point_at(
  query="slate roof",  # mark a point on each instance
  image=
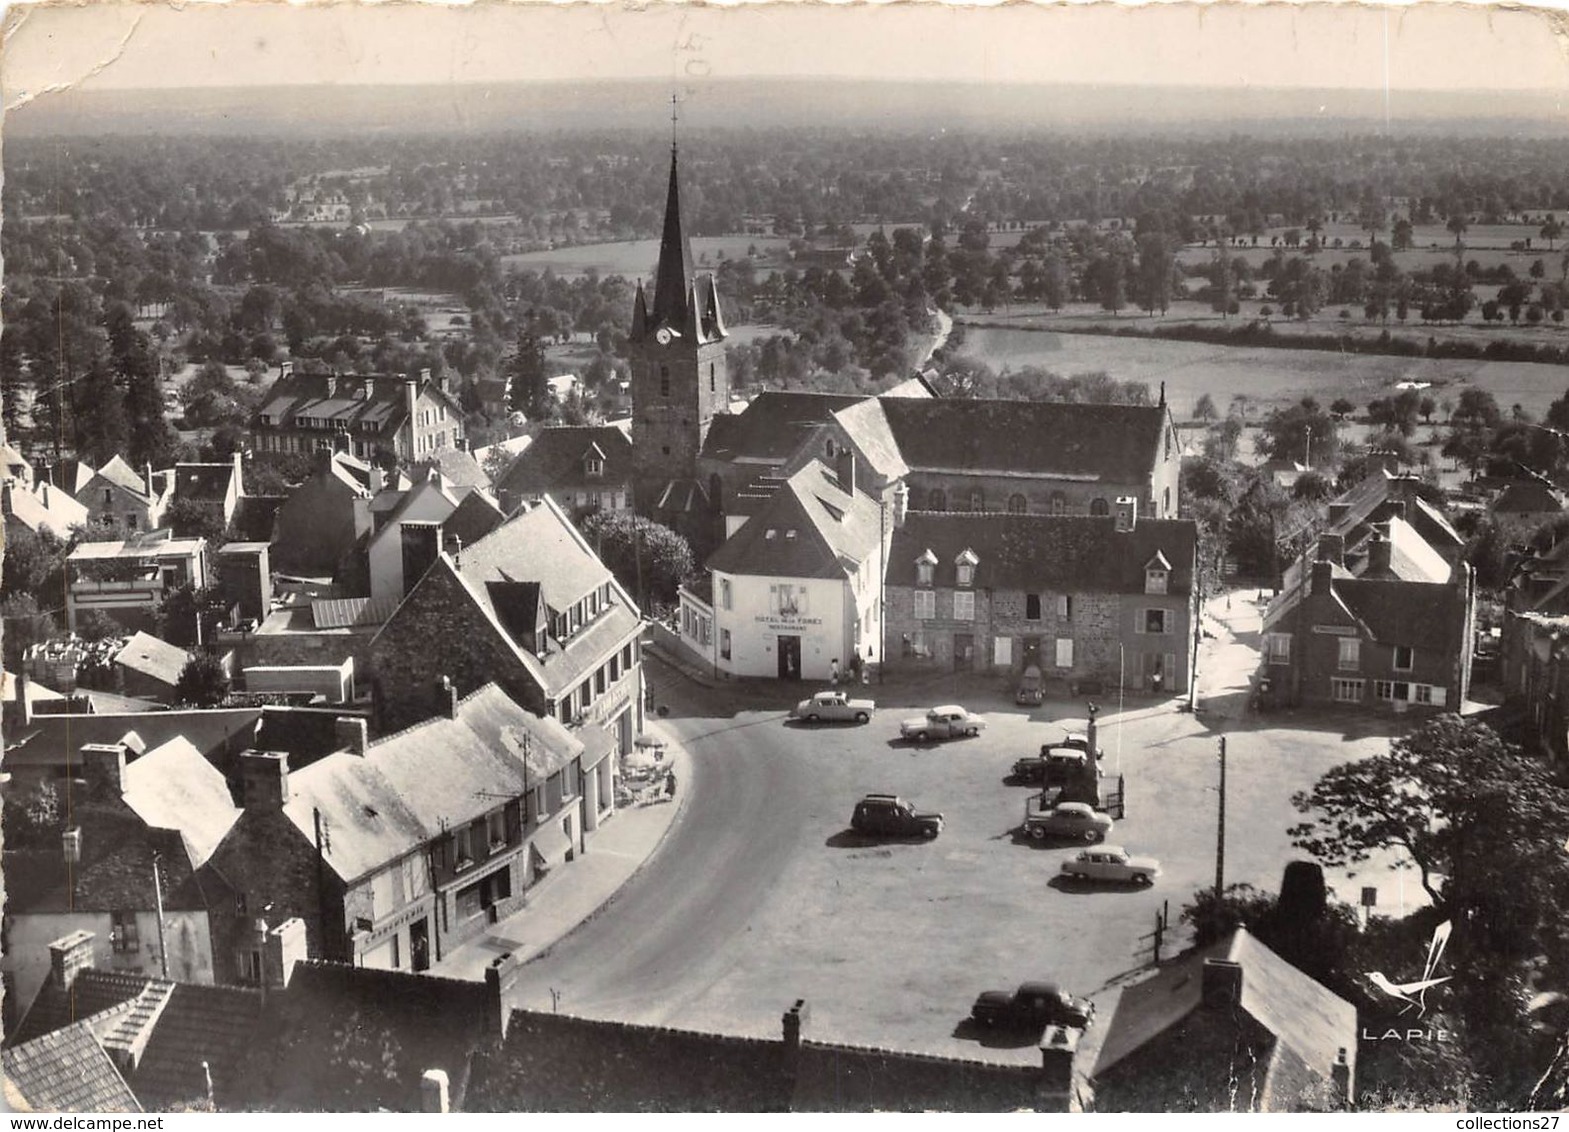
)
(174, 787)
(1058, 553)
(10, 459)
(65, 1071)
(205, 483)
(28, 508)
(555, 460)
(421, 489)
(1427, 617)
(809, 528)
(1303, 1016)
(92, 992)
(1524, 497)
(118, 472)
(772, 425)
(1110, 443)
(153, 657)
(216, 1025)
(55, 740)
(477, 515)
(1412, 561)
(867, 426)
(365, 822)
(116, 871)
(457, 466)
(322, 395)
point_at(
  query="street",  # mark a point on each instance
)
(760, 894)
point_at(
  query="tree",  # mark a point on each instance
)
(191, 518)
(34, 564)
(1400, 235)
(1204, 410)
(650, 560)
(203, 682)
(529, 391)
(1303, 432)
(25, 624)
(1427, 407)
(1314, 487)
(1341, 408)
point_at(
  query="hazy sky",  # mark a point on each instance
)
(107, 46)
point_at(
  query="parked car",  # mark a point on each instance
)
(946, 721)
(833, 707)
(891, 816)
(1112, 863)
(1053, 766)
(1031, 690)
(1033, 1005)
(1073, 820)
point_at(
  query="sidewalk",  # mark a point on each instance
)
(580, 888)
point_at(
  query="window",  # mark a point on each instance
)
(711, 378)
(977, 499)
(925, 605)
(1392, 690)
(1059, 503)
(1017, 504)
(1404, 658)
(1099, 506)
(964, 605)
(724, 643)
(1155, 581)
(664, 381)
(1032, 607)
(925, 567)
(415, 878)
(1347, 691)
(123, 933)
(1350, 654)
(1065, 606)
(939, 499)
(724, 593)
(599, 681)
(496, 828)
(462, 849)
(1064, 652)
(1156, 621)
(1424, 693)
(594, 466)
(108, 497)
(1277, 648)
(966, 569)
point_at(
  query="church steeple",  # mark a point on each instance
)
(673, 281)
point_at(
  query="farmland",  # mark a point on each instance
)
(636, 258)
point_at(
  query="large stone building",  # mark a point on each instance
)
(366, 416)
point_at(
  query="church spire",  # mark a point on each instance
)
(673, 280)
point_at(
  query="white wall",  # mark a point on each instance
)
(386, 549)
(822, 625)
(186, 934)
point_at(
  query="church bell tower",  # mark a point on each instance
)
(678, 363)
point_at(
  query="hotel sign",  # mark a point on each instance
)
(785, 624)
(1336, 630)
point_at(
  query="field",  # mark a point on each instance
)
(1269, 377)
(636, 259)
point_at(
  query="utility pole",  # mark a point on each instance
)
(1220, 832)
(163, 946)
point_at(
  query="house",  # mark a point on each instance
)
(149, 668)
(1534, 648)
(458, 466)
(1228, 1028)
(320, 631)
(15, 467)
(1530, 502)
(120, 497)
(326, 515)
(403, 546)
(530, 607)
(40, 508)
(494, 393)
(215, 488)
(128, 579)
(126, 850)
(427, 836)
(585, 469)
(564, 386)
(794, 593)
(1392, 624)
(1111, 600)
(173, 1045)
(364, 415)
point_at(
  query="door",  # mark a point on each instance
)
(419, 944)
(963, 652)
(789, 657)
(1032, 652)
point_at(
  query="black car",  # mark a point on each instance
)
(1032, 1005)
(891, 816)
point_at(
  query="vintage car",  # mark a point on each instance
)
(1073, 821)
(891, 816)
(1031, 687)
(833, 706)
(946, 721)
(1033, 1005)
(1112, 863)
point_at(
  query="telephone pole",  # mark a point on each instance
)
(1220, 832)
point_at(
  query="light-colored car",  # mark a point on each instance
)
(1072, 820)
(833, 707)
(1112, 863)
(946, 721)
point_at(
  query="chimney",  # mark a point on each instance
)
(1378, 549)
(454, 548)
(239, 472)
(1332, 548)
(421, 540)
(69, 956)
(150, 493)
(43, 493)
(1396, 509)
(795, 1020)
(285, 369)
(1222, 983)
(351, 733)
(1322, 577)
(1127, 512)
(901, 504)
(24, 706)
(433, 1091)
(1338, 512)
(1059, 1046)
(446, 698)
(332, 384)
(283, 947)
(103, 766)
(500, 977)
(845, 470)
(377, 479)
(264, 780)
(71, 845)
(1340, 1076)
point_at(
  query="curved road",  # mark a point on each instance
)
(666, 937)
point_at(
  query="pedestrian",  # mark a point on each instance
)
(833, 672)
(670, 785)
(1155, 682)
(855, 667)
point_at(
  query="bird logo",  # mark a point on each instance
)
(1414, 994)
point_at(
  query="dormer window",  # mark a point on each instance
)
(1157, 575)
(966, 564)
(594, 466)
(925, 568)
